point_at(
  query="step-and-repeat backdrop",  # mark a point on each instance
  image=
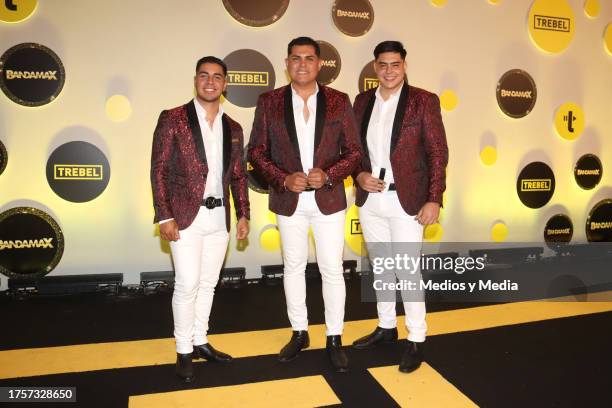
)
(524, 87)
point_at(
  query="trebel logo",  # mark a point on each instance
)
(30, 243)
(247, 78)
(369, 83)
(353, 17)
(368, 78)
(551, 23)
(249, 75)
(516, 93)
(78, 171)
(535, 185)
(31, 74)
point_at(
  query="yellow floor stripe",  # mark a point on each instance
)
(101, 356)
(295, 392)
(424, 387)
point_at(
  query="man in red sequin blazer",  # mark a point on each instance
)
(400, 182)
(304, 142)
(197, 156)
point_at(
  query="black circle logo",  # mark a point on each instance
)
(249, 75)
(256, 13)
(367, 78)
(31, 243)
(78, 171)
(516, 93)
(331, 63)
(558, 231)
(588, 171)
(3, 157)
(31, 74)
(535, 185)
(256, 181)
(599, 222)
(353, 17)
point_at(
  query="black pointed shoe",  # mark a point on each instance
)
(299, 340)
(412, 357)
(184, 367)
(209, 353)
(337, 356)
(378, 336)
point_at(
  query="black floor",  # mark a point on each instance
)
(556, 363)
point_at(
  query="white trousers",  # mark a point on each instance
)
(384, 220)
(198, 256)
(328, 233)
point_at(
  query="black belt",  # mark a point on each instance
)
(212, 202)
(392, 187)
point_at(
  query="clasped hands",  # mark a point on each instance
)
(299, 181)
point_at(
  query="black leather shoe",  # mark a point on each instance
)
(184, 367)
(412, 357)
(299, 340)
(337, 356)
(208, 352)
(378, 336)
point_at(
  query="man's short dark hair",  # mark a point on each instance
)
(304, 41)
(390, 46)
(212, 60)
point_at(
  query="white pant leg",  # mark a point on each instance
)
(373, 216)
(294, 245)
(201, 248)
(328, 233)
(214, 249)
(405, 229)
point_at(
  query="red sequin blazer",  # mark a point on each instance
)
(274, 150)
(419, 153)
(179, 167)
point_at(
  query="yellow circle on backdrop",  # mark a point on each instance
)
(439, 3)
(569, 121)
(495, 1)
(433, 232)
(608, 39)
(449, 100)
(15, 11)
(488, 155)
(551, 25)
(592, 8)
(352, 231)
(118, 108)
(269, 239)
(499, 232)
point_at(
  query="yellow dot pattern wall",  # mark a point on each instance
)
(123, 62)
